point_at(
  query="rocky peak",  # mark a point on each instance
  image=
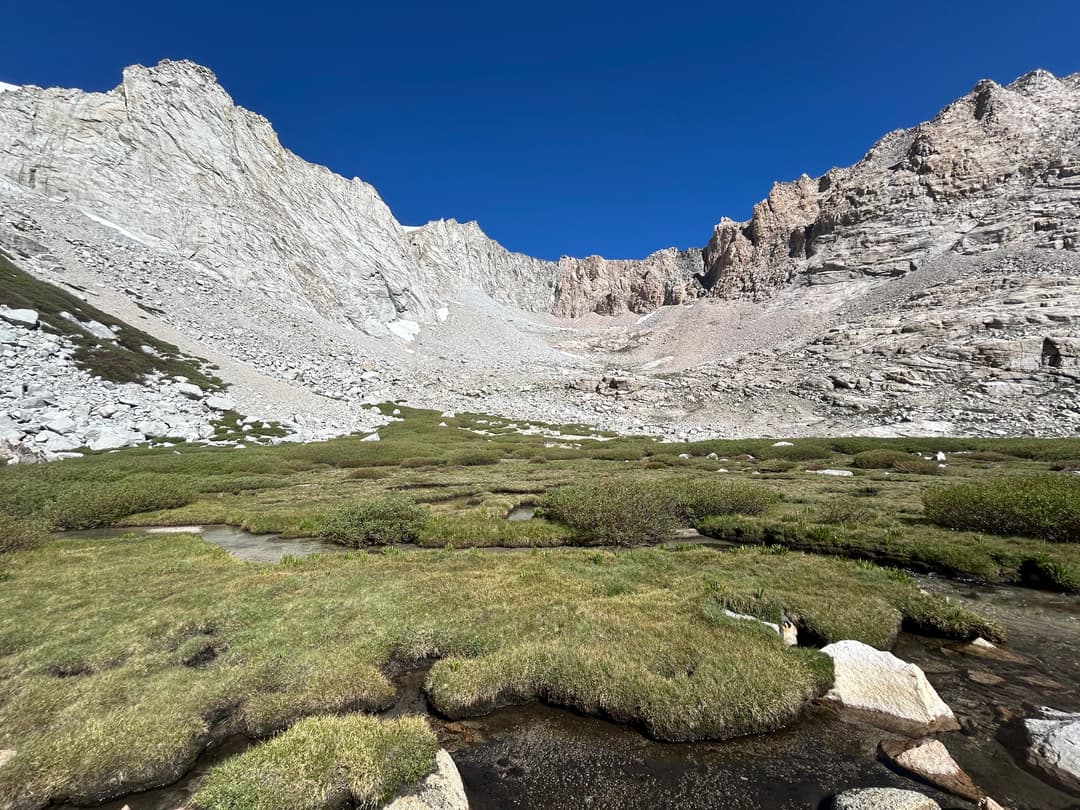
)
(993, 168)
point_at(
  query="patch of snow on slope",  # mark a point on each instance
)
(404, 329)
(108, 224)
(4, 87)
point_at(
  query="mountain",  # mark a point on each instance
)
(931, 286)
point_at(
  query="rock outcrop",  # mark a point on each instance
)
(1000, 166)
(876, 687)
(613, 287)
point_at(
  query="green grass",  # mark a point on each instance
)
(1045, 506)
(123, 360)
(324, 762)
(115, 681)
(120, 659)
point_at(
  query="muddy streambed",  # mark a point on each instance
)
(536, 756)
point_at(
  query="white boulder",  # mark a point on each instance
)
(110, 438)
(220, 404)
(883, 799)
(878, 688)
(190, 390)
(837, 473)
(1054, 745)
(5, 756)
(20, 317)
(442, 790)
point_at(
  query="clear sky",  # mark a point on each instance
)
(564, 127)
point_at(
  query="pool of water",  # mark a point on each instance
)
(242, 544)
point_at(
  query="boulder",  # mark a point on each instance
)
(878, 688)
(5, 756)
(190, 390)
(20, 317)
(110, 438)
(1054, 745)
(883, 799)
(930, 761)
(442, 790)
(61, 424)
(220, 404)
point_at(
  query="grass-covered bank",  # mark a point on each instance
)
(121, 658)
(352, 761)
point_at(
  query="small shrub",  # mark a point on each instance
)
(241, 483)
(776, 465)
(918, 466)
(700, 497)
(895, 460)
(843, 511)
(475, 458)
(19, 533)
(389, 519)
(879, 459)
(614, 512)
(366, 474)
(799, 451)
(422, 461)
(92, 506)
(1043, 506)
(538, 460)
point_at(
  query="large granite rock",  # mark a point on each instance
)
(883, 799)
(878, 688)
(442, 790)
(1054, 745)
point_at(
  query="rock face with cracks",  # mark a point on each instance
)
(877, 688)
(1054, 745)
(932, 288)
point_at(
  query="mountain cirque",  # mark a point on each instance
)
(933, 287)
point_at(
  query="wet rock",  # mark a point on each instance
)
(984, 649)
(1054, 745)
(883, 799)
(981, 676)
(878, 688)
(931, 762)
(442, 790)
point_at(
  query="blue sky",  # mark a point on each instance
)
(564, 127)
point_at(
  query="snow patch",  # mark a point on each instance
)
(443, 313)
(5, 87)
(404, 329)
(120, 229)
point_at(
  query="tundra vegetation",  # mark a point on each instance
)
(123, 657)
